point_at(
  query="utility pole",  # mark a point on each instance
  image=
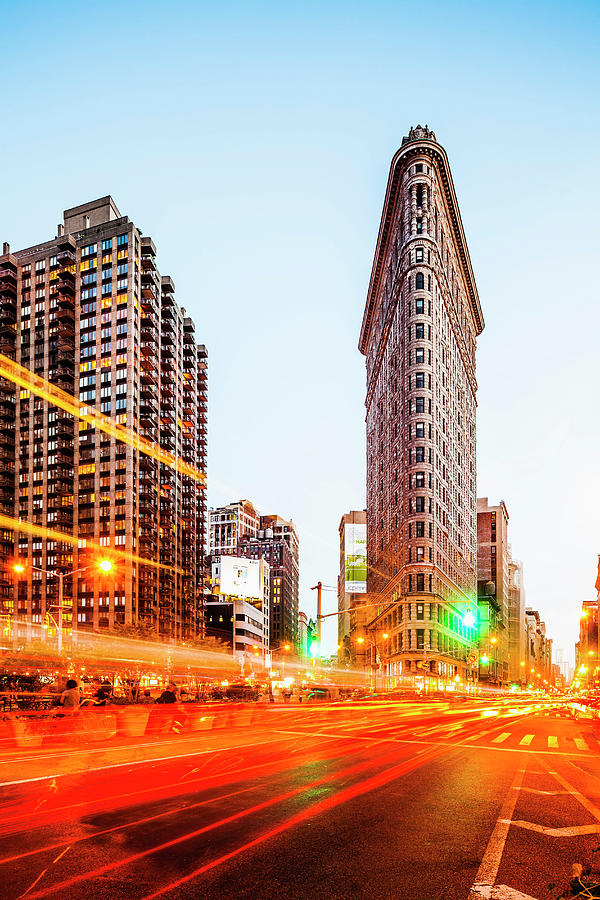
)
(60, 611)
(318, 588)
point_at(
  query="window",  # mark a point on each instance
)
(419, 307)
(420, 609)
(419, 226)
(122, 240)
(420, 332)
(420, 454)
(419, 281)
(420, 504)
(420, 529)
(420, 380)
(420, 430)
(419, 168)
(107, 245)
(89, 250)
(420, 405)
(420, 355)
(420, 479)
(420, 582)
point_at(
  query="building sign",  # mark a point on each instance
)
(355, 559)
(241, 577)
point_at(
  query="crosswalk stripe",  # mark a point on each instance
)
(527, 739)
(552, 741)
(501, 737)
(581, 744)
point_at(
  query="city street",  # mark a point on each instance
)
(365, 799)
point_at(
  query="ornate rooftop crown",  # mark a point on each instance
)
(419, 134)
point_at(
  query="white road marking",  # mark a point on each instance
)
(587, 804)
(552, 741)
(499, 892)
(567, 831)
(488, 868)
(527, 739)
(501, 737)
(543, 793)
(581, 744)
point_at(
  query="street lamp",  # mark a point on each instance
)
(373, 643)
(105, 566)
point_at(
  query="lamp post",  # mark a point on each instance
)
(373, 643)
(105, 566)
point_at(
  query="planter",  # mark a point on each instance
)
(28, 733)
(101, 726)
(200, 720)
(132, 721)
(7, 735)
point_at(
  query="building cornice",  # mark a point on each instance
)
(438, 156)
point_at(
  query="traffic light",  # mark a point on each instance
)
(469, 620)
(314, 648)
(484, 660)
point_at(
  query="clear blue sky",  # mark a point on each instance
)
(253, 141)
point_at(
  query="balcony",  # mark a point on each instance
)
(66, 286)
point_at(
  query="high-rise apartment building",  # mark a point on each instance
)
(89, 312)
(420, 325)
(493, 556)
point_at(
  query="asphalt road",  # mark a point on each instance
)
(421, 801)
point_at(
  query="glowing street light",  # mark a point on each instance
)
(105, 566)
(469, 620)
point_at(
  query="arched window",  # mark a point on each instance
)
(419, 281)
(420, 195)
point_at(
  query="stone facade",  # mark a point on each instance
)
(420, 325)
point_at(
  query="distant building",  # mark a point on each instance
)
(352, 582)
(587, 650)
(276, 541)
(302, 634)
(243, 583)
(517, 635)
(240, 624)
(539, 650)
(493, 591)
(229, 524)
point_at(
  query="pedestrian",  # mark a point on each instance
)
(169, 695)
(70, 697)
(102, 695)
